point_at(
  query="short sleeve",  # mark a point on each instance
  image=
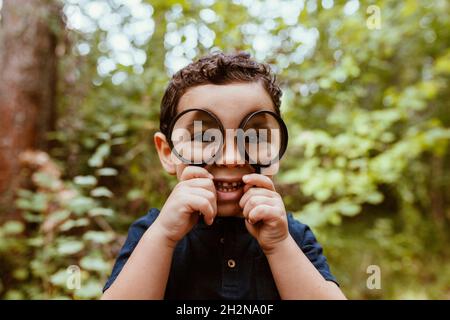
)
(135, 232)
(307, 242)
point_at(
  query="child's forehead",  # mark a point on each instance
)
(229, 102)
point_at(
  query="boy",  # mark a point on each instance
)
(244, 245)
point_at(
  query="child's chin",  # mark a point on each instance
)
(231, 209)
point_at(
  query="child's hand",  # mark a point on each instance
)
(264, 211)
(195, 194)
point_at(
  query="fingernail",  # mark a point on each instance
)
(244, 178)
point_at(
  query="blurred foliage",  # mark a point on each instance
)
(64, 224)
(368, 164)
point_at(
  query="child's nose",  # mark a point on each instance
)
(230, 153)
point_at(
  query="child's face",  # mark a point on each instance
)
(230, 103)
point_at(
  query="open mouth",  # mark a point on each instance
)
(223, 186)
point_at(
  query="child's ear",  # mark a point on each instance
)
(164, 153)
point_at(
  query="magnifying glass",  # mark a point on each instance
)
(262, 139)
(196, 137)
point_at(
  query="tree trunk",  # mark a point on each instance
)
(437, 194)
(28, 69)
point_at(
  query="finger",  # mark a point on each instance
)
(256, 201)
(205, 183)
(208, 195)
(258, 180)
(256, 192)
(205, 187)
(198, 203)
(191, 172)
(263, 212)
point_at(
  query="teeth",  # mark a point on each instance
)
(228, 186)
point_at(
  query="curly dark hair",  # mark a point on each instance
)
(217, 68)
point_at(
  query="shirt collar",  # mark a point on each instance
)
(236, 224)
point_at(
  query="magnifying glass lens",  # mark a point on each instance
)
(263, 139)
(196, 137)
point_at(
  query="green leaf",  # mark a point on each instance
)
(24, 193)
(101, 212)
(36, 241)
(99, 236)
(118, 129)
(14, 295)
(94, 264)
(442, 64)
(349, 209)
(374, 197)
(60, 215)
(99, 156)
(107, 172)
(70, 247)
(66, 226)
(45, 180)
(101, 192)
(134, 194)
(104, 136)
(37, 202)
(13, 227)
(117, 141)
(90, 290)
(85, 180)
(59, 278)
(24, 204)
(80, 205)
(20, 274)
(33, 217)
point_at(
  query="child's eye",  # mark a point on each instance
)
(262, 138)
(257, 138)
(201, 137)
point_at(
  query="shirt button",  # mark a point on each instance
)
(222, 240)
(231, 263)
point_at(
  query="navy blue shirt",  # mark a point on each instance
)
(221, 261)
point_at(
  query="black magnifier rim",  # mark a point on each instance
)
(284, 133)
(174, 121)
